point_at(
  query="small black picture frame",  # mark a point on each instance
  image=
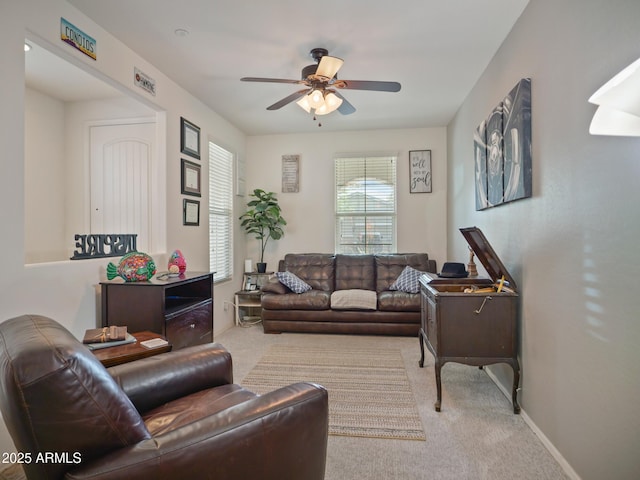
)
(190, 178)
(190, 212)
(189, 138)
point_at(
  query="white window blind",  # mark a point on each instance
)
(220, 212)
(365, 204)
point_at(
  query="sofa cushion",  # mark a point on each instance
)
(407, 281)
(294, 282)
(316, 269)
(353, 299)
(311, 300)
(397, 301)
(355, 272)
(389, 267)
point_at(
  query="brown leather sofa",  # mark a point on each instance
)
(396, 312)
(172, 416)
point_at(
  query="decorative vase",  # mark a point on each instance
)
(261, 266)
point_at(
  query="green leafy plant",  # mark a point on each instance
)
(263, 219)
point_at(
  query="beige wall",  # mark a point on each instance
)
(44, 162)
(56, 168)
(572, 247)
(67, 290)
(310, 213)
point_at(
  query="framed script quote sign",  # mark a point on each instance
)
(290, 173)
(420, 171)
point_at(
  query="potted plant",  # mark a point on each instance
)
(263, 219)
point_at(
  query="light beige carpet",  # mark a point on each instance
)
(369, 392)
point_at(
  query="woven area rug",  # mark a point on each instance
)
(369, 392)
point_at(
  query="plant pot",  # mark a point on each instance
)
(261, 266)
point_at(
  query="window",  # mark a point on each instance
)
(365, 204)
(220, 212)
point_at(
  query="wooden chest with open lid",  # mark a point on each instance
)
(471, 320)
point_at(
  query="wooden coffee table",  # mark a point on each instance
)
(111, 356)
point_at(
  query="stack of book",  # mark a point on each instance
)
(95, 338)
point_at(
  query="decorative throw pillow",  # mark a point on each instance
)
(294, 282)
(354, 300)
(407, 281)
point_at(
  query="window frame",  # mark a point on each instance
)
(375, 173)
(220, 210)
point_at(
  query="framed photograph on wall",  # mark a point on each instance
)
(190, 178)
(190, 212)
(420, 171)
(189, 138)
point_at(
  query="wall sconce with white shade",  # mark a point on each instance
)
(618, 103)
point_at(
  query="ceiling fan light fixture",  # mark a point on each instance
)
(304, 104)
(321, 81)
(331, 103)
(315, 98)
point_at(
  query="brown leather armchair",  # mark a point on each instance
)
(171, 416)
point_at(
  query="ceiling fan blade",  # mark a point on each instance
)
(367, 85)
(329, 66)
(345, 107)
(287, 100)
(270, 80)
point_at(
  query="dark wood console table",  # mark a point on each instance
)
(178, 308)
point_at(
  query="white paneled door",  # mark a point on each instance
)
(121, 171)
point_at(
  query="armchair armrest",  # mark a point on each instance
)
(152, 381)
(282, 434)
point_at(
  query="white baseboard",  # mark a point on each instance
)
(571, 473)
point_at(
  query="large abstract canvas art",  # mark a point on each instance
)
(502, 150)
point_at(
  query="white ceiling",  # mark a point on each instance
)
(436, 49)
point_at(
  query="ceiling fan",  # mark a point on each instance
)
(322, 84)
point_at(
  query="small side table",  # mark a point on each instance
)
(247, 306)
(111, 356)
(247, 301)
(254, 280)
